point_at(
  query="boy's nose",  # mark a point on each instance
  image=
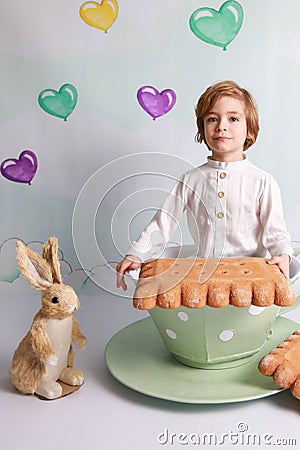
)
(221, 126)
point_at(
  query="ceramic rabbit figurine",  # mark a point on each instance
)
(45, 354)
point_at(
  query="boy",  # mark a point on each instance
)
(236, 206)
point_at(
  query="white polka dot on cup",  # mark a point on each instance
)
(183, 316)
(255, 310)
(226, 335)
(171, 334)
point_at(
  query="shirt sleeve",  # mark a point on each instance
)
(162, 226)
(275, 236)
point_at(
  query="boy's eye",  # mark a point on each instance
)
(211, 119)
(234, 119)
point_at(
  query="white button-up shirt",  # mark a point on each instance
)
(234, 209)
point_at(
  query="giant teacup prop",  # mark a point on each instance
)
(212, 313)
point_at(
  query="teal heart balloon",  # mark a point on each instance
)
(59, 103)
(218, 27)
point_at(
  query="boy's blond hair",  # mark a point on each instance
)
(232, 89)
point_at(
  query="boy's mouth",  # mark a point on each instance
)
(222, 138)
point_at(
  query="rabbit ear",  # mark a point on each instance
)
(32, 266)
(50, 254)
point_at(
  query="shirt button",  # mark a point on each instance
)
(220, 215)
(221, 194)
(222, 175)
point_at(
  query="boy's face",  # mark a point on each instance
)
(225, 129)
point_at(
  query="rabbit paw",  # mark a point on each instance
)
(49, 390)
(283, 364)
(72, 376)
(52, 360)
(80, 343)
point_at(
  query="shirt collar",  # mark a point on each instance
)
(228, 165)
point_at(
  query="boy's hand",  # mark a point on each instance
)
(283, 262)
(130, 262)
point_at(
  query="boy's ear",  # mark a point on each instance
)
(32, 266)
(50, 254)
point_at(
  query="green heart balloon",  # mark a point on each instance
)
(59, 103)
(218, 27)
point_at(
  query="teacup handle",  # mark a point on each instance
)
(133, 274)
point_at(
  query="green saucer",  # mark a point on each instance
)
(137, 358)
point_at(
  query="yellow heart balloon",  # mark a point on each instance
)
(99, 15)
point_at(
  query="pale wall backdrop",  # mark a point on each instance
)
(44, 45)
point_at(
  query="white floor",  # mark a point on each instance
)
(105, 415)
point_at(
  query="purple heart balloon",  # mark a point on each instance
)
(156, 103)
(21, 170)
